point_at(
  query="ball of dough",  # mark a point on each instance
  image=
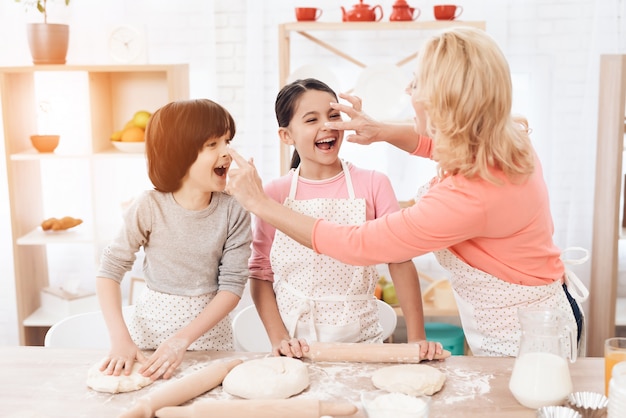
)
(410, 379)
(267, 378)
(102, 382)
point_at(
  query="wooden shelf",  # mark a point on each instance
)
(608, 192)
(79, 234)
(112, 93)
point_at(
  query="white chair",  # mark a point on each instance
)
(388, 319)
(249, 333)
(84, 330)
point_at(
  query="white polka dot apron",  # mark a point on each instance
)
(488, 306)
(320, 298)
(158, 316)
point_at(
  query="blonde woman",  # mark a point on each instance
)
(486, 215)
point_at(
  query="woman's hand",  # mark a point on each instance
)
(293, 347)
(244, 182)
(366, 130)
(165, 359)
(121, 359)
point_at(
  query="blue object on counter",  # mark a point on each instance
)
(450, 336)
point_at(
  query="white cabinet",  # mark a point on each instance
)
(93, 102)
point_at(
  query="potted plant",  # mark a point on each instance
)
(47, 41)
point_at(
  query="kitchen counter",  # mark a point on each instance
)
(46, 382)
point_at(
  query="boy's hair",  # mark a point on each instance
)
(176, 133)
(287, 100)
(464, 83)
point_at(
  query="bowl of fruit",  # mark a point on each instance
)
(132, 137)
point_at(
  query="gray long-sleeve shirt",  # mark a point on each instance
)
(187, 253)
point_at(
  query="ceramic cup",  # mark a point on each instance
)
(614, 352)
(304, 14)
(447, 11)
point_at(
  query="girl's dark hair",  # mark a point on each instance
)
(176, 134)
(286, 102)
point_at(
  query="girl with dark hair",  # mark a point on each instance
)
(196, 241)
(302, 296)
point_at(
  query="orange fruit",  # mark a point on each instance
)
(132, 134)
(378, 291)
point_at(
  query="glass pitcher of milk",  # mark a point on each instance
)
(540, 374)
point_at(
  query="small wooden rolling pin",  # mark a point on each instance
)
(176, 392)
(367, 353)
(265, 408)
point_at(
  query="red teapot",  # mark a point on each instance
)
(362, 13)
(403, 12)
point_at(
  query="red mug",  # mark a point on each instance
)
(308, 14)
(447, 11)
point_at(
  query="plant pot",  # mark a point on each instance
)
(48, 42)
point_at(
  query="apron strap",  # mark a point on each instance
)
(346, 173)
(574, 285)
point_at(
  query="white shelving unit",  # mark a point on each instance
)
(112, 95)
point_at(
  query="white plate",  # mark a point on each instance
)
(382, 88)
(319, 72)
(138, 147)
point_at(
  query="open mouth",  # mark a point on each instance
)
(326, 144)
(221, 171)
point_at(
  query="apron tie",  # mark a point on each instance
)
(305, 306)
(574, 285)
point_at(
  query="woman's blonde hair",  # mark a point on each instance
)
(464, 83)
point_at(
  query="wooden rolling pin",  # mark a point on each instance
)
(262, 408)
(367, 353)
(176, 392)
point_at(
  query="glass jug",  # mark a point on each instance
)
(541, 375)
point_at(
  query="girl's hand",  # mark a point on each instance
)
(367, 130)
(121, 358)
(165, 359)
(428, 349)
(293, 347)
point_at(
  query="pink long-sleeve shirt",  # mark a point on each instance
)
(372, 186)
(504, 230)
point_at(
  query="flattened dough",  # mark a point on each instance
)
(101, 382)
(267, 378)
(411, 379)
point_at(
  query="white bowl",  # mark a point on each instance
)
(137, 147)
(382, 404)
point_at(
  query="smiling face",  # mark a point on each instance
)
(317, 145)
(208, 172)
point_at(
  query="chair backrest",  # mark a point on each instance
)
(388, 318)
(84, 330)
(249, 333)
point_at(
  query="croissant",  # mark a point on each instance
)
(55, 224)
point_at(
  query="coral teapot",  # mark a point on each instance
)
(362, 13)
(403, 12)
